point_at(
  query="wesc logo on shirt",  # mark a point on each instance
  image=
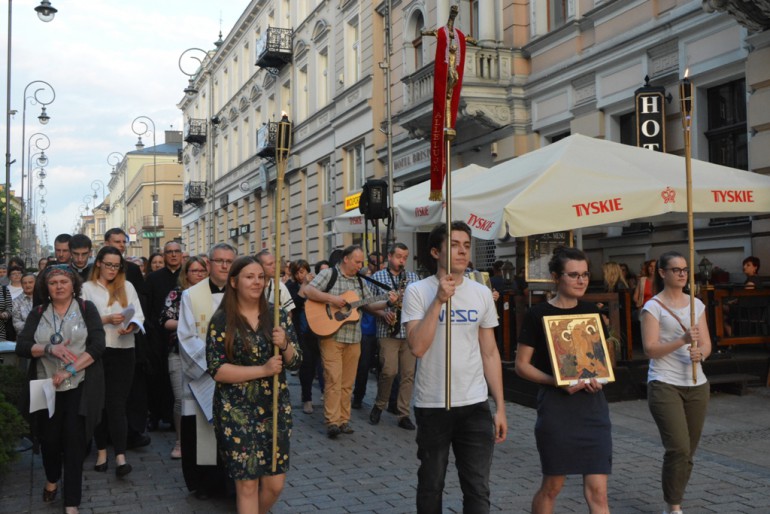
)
(460, 316)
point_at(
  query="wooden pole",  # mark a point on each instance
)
(282, 148)
(685, 96)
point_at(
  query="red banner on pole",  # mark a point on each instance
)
(447, 82)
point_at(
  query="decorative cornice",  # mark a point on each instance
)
(752, 14)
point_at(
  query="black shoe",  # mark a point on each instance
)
(393, 409)
(406, 423)
(374, 416)
(202, 494)
(357, 404)
(345, 428)
(138, 441)
(101, 468)
(49, 496)
(123, 470)
(332, 431)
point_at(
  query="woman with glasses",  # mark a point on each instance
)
(572, 430)
(677, 403)
(121, 314)
(193, 271)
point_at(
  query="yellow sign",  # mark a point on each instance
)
(351, 202)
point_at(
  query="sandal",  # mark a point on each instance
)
(49, 496)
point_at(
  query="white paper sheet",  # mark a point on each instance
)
(42, 395)
(128, 315)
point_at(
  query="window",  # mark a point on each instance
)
(328, 237)
(302, 94)
(352, 51)
(628, 129)
(322, 78)
(417, 42)
(468, 20)
(356, 168)
(727, 132)
(326, 181)
(558, 12)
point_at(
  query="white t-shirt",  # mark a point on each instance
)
(472, 308)
(676, 367)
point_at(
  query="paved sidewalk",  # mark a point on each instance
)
(374, 470)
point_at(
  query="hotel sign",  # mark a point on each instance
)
(651, 118)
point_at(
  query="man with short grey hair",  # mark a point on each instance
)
(199, 448)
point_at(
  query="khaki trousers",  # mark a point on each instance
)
(340, 361)
(395, 356)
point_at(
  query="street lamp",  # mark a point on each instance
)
(37, 141)
(113, 160)
(191, 90)
(95, 185)
(46, 12)
(141, 126)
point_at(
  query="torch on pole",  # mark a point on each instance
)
(282, 148)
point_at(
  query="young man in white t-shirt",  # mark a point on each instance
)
(468, 427)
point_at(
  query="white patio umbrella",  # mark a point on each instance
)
(582, 182)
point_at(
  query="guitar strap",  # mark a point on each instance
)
(333, 280)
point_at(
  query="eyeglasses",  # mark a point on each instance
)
(574, 275)
(110, 265)
(198, 271)
(172, 252)
(679, 271)
(222, 262)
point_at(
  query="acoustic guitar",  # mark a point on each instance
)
(325, 319)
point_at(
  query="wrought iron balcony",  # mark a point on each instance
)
(195, 192)
(178, 207)
(151, 222)
(274, 48)
(266, 140)
(195, 131)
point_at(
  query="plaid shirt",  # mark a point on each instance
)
(349, 333)
(386, 277)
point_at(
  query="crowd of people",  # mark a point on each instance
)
(202, 334)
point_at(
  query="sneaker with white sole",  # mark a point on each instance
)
(307, 407)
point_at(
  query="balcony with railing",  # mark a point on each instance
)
(195, 131)
(274, 48)
(266, 140)
(195, 192)
(150, 222)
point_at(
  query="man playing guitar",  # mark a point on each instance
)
(341, 349)
(395, 355)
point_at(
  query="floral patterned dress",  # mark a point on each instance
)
(243, 413)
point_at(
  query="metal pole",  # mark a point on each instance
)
(8, 141)
(143, 120)
(282, 148)
(389, 120)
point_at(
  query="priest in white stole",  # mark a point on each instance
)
(199, 448)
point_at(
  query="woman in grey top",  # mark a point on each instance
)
(65, 338)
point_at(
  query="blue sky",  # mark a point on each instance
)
(109, 62)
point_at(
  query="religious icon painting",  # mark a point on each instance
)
(578, 349)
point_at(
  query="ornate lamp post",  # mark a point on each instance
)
(191, 90)
(46, 13)
(113, 160)
(141, 126)
(42, 90)
(37, 141)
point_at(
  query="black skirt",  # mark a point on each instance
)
(573, 433)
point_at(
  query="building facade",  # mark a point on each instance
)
(139, 176)
(535, 72)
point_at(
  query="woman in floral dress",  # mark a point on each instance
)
(240, 354)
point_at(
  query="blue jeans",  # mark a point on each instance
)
(469, 430)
